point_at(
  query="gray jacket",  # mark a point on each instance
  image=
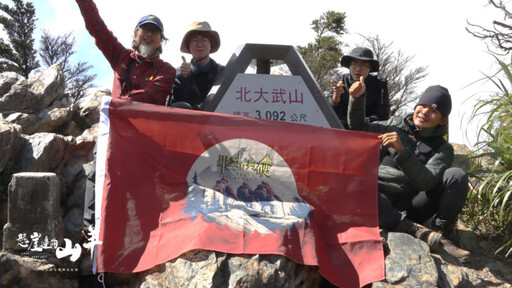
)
(425, 158)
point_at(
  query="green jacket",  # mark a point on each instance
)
(425, 158)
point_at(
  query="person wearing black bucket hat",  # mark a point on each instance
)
(416, 182)
(360, 62)
(139, 73)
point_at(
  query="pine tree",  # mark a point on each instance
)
(323, 55)
(19, 54)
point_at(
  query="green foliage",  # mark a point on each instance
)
(490, 208)
(19, 54)
(323, 55)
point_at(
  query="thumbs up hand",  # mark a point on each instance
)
(185, 67)
(358, 88)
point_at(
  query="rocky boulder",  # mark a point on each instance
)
(10, 141)
(42, 132)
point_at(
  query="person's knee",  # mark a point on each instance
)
(455, 192)
(457, 173)
(455, 176)
(389, 217)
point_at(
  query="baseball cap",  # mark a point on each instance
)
(151, 19)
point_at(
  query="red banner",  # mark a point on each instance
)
(173, 180)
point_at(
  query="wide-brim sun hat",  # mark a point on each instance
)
(203, 27)
(360, 53)
(151, 19)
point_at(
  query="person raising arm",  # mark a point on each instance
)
(139, 73)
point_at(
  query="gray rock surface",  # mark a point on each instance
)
(40, 131)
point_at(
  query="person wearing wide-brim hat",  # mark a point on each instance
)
(200, 28)
(196, 78)
(362, 54)
(360, 62)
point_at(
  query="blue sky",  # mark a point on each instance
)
(433, 31)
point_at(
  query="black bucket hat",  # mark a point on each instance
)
(360, 53)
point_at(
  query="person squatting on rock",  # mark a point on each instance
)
(139, 73)
(416, 181)
(195, 79)
(360, 62)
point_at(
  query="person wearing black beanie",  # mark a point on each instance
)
(438, 98)
(416, 182)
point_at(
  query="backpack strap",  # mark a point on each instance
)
(126, 77)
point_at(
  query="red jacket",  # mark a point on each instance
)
(150, 80)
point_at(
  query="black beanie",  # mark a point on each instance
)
(439, 98)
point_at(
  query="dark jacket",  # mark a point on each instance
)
(194, 88)
(377, 101)
(425, 158)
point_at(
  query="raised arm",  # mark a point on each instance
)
(105, 40)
